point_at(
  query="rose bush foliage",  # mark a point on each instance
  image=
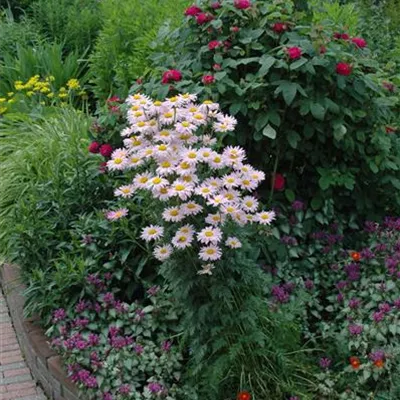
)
(309, 101)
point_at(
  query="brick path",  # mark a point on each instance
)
(16, 382)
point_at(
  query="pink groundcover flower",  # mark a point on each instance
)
(106, 150)
(192, 11)
(359, 42)
(208, 79)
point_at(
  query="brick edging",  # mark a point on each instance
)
(44, 363)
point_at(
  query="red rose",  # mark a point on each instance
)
(294, 53)
(343, 36)
(94, 147)
(203, 18)
(242, 4)
(216, 5)
(244, 396)
(359, 42)
(214, 44)
(279, 27)
(192, 11)
(172, 75)
(343, 68)
(208, 79)
(106, 150)
(235, 29)
(279, 182)
(356, 256)
(322, 49)
(217, 67)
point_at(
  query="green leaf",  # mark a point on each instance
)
(293, 138)
(289, 90)
(325, 181)
(298, 63)
(274, 117)
(266, 62)
(317, 111)
(269, 131)
(235, 108)
(290, 195)
(339, 132)
(262, 120)
(316, 203)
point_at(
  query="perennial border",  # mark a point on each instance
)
(44, 363)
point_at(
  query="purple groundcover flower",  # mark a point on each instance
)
(378, 355)
(153, 290)
(109, 298)
(59, 315)
(341, 285)
(289, 240)
(340, 298)
(138, 348)
(378, 316)
(124, 389)
(93, 339)
(353, 271)
(107, 396)
(355, 329)
(354, 303)
(94, 280)
(396, 303)
(309, 284)
(298, 205)
(155, 387)
(166, 346)
(81, 306)
(325, 362)
(367, 254)
(385, 307)
(280, 294)
(371, 226)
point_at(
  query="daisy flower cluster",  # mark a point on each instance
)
(172, 148)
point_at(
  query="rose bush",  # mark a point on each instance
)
(309, 101)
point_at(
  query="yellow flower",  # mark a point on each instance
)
(42, 103)
(62, 95)
(3, 110)
(73, 84)
(11, 101)
(51, 78)
(10, 94)
(50, 95)
(30, 93)
(62, 90)
(44, 89)
(3, 99)
(19, 86)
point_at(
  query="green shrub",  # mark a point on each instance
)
(323, 131)
(74, 23)
(124, 43)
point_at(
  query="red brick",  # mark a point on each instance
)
(19, 393)
(16, 372)
(10, 359)
(58, 372)
(19, 386)
(8, 347)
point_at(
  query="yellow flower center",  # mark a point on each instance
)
(249, 203)
(164, 133)
(137, 96)
(179, 187)
(198, 117)
(192, 155)
(138, 114)
(174, 212)
(192, 109)
(187, 179)
(208, 233)
(162, 147)
(157, 103)
(165, 164)
(118, 160)
(156, 180)
(185, 124)
(185, 165)
(168, 115)
(144, 179)
(141, 124)
(207, 102)
(152, 231)
(135, 108)
(210, 252)
(126, 190)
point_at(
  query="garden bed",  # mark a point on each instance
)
(43, 362)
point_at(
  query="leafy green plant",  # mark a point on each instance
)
(75, 23)
(309, 101)
(124, 44)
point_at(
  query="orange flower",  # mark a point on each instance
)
(379, 363)
(356, 256)
(355, 362)
(244, 396)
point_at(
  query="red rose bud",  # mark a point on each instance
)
(203, 18)
(106, 150)
(216, 5)
(227, 44)
(294, 53)
(355, 362)
(356, 256)
(379, 363)
(114, 109)
(390, 129)
(343, 36)
(214, 44)
(208, 79)
(279, 182)
(192, 11)
(103, 167)
(172, 75)
(242, 4)
(114, 99)
(244, 396)
(217, 67)
(389, 86)
(235, 29)
(322, 50)
(359, 42)
(279, 27)
(94, 147)
(343, 68)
